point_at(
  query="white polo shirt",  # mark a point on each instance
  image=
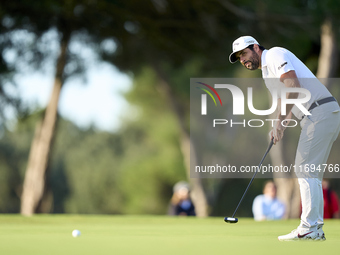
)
(277, 61)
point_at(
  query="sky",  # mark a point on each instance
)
(98, 102)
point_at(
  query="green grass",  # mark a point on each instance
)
(51, 234)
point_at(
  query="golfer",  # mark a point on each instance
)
(318, 130)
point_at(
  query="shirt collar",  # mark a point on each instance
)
(263, 58)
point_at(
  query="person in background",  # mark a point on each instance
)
(331, 201)
(181, 203)
(267, 206)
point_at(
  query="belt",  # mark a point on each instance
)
(320, 102)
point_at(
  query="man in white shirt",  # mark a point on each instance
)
(282, 69)
(267, 206)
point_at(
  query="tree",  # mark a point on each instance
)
(165, 36)
(34, 183)
(68, 19)
(328, 59)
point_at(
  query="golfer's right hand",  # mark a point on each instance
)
(277, 134)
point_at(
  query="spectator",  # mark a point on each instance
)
(181, 203)
(330, 201)
(267, 206)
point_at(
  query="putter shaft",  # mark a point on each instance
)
(252, 179)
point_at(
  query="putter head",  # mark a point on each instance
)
(230, 220)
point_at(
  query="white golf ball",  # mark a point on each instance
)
(75, 233)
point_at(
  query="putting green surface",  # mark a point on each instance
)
(51, 234)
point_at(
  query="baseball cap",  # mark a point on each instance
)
(240, 44)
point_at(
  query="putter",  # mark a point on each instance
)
(235, 220)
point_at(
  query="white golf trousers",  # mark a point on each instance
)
(318, 133)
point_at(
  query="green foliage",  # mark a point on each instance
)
(14, 150)
(133, 170)
(84, 169)
(154, 162)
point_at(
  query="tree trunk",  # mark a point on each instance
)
(197, 193)
(34, 182)
(328, 59)
(287, 185)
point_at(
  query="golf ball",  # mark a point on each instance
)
(75, 233)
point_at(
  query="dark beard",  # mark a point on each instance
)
(254, 60)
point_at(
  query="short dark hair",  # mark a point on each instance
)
(251, 47)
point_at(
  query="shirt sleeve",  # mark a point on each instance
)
(278, 62)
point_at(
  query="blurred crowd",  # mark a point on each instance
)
(268, 207)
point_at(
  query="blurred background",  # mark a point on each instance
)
(94, 94)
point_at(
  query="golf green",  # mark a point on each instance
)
(52, 234)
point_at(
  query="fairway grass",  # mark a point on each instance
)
(51, 234)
